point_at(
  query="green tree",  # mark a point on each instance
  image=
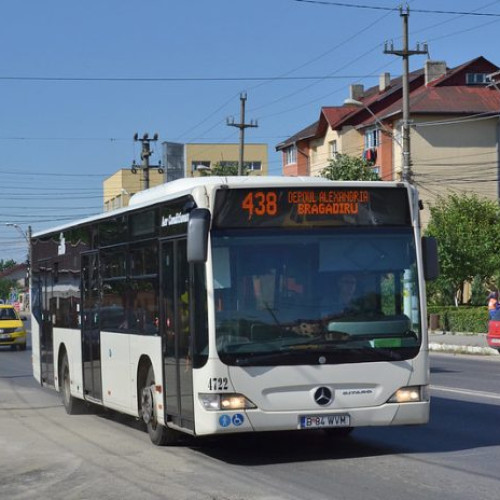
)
(227, 169)
(6, 284)
(5, 288)
(467, 229)
(349, 168)
(5, 264)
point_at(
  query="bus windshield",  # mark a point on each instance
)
(316, 296)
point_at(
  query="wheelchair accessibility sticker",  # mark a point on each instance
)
(238, 419)
(226, 420)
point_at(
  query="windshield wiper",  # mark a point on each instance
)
(316, 346)
(250, 358)
(338, 350)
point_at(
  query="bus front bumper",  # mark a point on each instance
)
(255, 420)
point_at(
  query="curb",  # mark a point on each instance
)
(463, 349)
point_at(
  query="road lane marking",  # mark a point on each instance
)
(468, 392)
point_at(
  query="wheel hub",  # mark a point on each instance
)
(147, 405)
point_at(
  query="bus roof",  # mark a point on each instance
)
(184, 186)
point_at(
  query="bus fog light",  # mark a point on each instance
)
(230, 401)
(412, 394)
(210, 401)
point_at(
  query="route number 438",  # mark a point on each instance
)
(260, 203)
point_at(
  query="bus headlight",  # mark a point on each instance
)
(226, 401)
(411, 394)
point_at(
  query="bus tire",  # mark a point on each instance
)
(159, 434)
(71, 404)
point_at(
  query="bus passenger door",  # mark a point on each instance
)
(46, 327)
(91, 335)
(176, 334)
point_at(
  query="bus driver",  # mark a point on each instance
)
(344, 302)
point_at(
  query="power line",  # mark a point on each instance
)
(342, 4)
(487, 115)
(331, 93)
(106, 139)
(48, 220)
(222, 106)
(322, 97)
(375, 7)
(178, 78)
(57, 174)
(351, 61)
(462, 31)
(283, 75)
(441, 23)
(59, 197)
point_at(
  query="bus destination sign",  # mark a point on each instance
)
(311, 207)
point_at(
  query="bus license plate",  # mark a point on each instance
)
(324, 421)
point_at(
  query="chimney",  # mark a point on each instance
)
(356, 91)
(384, 81)
(434, 70)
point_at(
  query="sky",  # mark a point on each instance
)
(79, 79)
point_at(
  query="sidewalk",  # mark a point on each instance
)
(460, 343)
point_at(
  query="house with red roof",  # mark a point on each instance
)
(454, 130)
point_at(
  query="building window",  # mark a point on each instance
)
(253, 165)
(372, 139)
(290, 155)
(332, 146)
(477, 78)
(227, 164)
(199, 165)
(249, 165)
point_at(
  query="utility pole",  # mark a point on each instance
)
(145, 154)
(27, 238)
(29, 264)
(242, 126)
(405, 54)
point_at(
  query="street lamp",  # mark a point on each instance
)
(20, 229)
(359, 104)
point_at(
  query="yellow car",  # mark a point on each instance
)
(12, 330)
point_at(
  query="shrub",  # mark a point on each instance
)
(461, 319)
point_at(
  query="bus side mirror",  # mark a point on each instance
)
(197, 235)
(430, 257)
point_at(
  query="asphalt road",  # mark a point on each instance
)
(46, 454)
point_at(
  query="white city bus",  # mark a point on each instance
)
(210, 306)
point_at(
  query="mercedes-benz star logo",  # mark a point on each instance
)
(323, 396)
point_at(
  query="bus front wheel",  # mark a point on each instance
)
(159, 434)
(72, 405)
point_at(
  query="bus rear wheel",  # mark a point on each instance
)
(159, 434)
(72, 405)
